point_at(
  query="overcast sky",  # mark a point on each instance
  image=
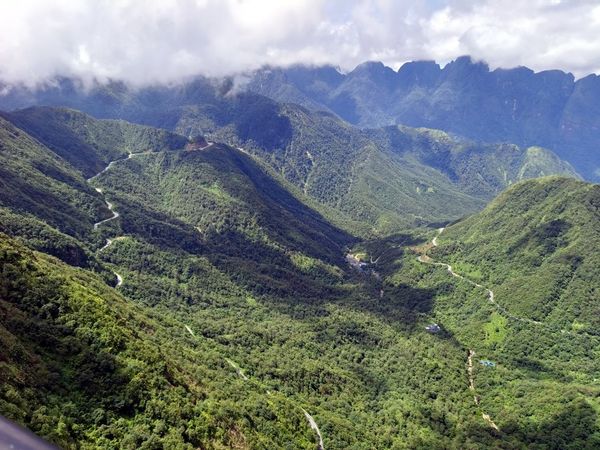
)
(147, 41)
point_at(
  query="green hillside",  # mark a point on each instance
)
(87, 143)
(478, 169)
(87, 368)
(217, 307)
(391, 178)
(219, 202)
(224, 273)
(523, 298)
(537, 244)
(370, 182)
(35, 180)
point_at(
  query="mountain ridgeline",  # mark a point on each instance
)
(549, 109)
(89, 144)
(174, 274)
(376, 181)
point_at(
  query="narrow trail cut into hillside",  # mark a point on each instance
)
(485, 416)
(108, 244)
(427, 260)
(470, 371)
(111, 208)
(243, 376)
(315, 427)
(490, 294)
(238, 369)
(119, 280)
(312, 167)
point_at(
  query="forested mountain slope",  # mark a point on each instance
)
(549, 109)
(85, 367)
(35, 180)
(87, 143)
(212, 306)
(45, 198)
(234, 314)
(377, 181)
(516, 285)
(537, 243)
(219, 202)
(391, 177)
(479, 169)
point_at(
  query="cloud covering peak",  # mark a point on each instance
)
(154, 41)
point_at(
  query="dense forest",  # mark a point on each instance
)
(367, 181)
(199, 297)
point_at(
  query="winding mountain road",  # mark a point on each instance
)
(491, 299)
(490, 294)
(427, 260)
(470, 371)
(237, 368)
(434, 240)
(109, 242)
(110, 207)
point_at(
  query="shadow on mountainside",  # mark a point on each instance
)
(572, 428)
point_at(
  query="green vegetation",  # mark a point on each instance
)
(369, 182)
(392, 178)
(478, 169)
(259, 279)
(87, 143)
(534, 247)
(495, 329)
(548, 108)
(87, 368)
(34, 180)
(237, 308)
(536, 244)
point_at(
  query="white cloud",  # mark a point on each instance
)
(167, 40)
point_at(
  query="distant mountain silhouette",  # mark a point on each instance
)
(548, 108)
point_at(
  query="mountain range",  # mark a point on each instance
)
(290, 261)
(549, 109)
(358, 172)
